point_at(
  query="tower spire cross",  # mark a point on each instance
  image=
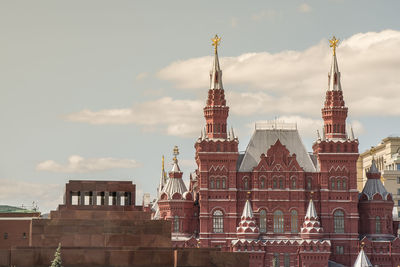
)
(334, 43)
(215, 42)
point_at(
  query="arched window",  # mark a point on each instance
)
(293, 219)
(338, 184)
(281, 183)
(274, 183)
(245, 183)
(338, 221)
(294, 186)
(262, 183)
(278, 222)
(309, 184)
(223, 183)
(344, 186)
(217, 184)
(332, 183)
(176, 224)
(263, 221)
(275, 260)
(378, 225)
(218, 222)
(212, 183)
(286, 262)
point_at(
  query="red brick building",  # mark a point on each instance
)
(277, 202)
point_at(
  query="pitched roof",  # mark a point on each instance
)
(263, 139)
(11, 209)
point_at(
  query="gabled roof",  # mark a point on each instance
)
(311, 212)
(263, 139)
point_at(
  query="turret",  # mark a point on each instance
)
(375, 207)
(311, 226)
(247, 228)
(362, 260)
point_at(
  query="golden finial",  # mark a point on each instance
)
(334, 43)
(176, 152)
(162, 160)
(216, 40)
(311, 195)
(362, 245)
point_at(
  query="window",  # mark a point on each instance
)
(176, 224)
(262, 183)
(287, 260)
(280, 183)
(294, 186)
(338, 184)
(263, 221)
(274, 183)
(212, 184)
(333, 183)
(398, 180)
(246, 183)
(338, 220)
(339, 250)
(218, 222)
(293, 221)
(309, 184)
(398, 191)
(344, 186)
(278, 222)
(275, 260)
(5, 235)
(378, 225)
(398, 202)
(217, 184)
(24, 235)
(223, 183)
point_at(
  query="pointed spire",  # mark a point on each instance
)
(311, 211)
(323, 134)
(175, 167)
(334, 74)
(216, 73)
(352, 134)
(247, 211)
(163, 177)
(318, 135)
(373, 168)
(362, 260)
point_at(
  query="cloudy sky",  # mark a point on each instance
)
(102, 89)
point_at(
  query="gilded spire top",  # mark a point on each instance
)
(215, 42)
(334, 43)
(175, 153)
(162, 160)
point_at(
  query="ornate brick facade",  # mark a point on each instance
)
(259, 202)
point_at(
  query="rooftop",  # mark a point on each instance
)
(11, 209)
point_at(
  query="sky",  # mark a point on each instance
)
(100, 90)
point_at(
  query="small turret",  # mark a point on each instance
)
(362, 260)
(311, 227)
(247, 228)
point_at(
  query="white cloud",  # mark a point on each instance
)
(267, 14)
(294, 82)
(174, 117)
(78, 164)
(17, 193)
(304, 8)
(234, 22)
(141, 76)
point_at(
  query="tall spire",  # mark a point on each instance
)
(163, 178)
(216, 73)
(334, 74)
(216, 111)
(334, 112)
(312, 228)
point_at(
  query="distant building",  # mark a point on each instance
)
(387, 158)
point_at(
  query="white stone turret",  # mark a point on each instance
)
(311, 227)
(247, 228)
(362, 260)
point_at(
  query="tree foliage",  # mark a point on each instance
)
(57, 258)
